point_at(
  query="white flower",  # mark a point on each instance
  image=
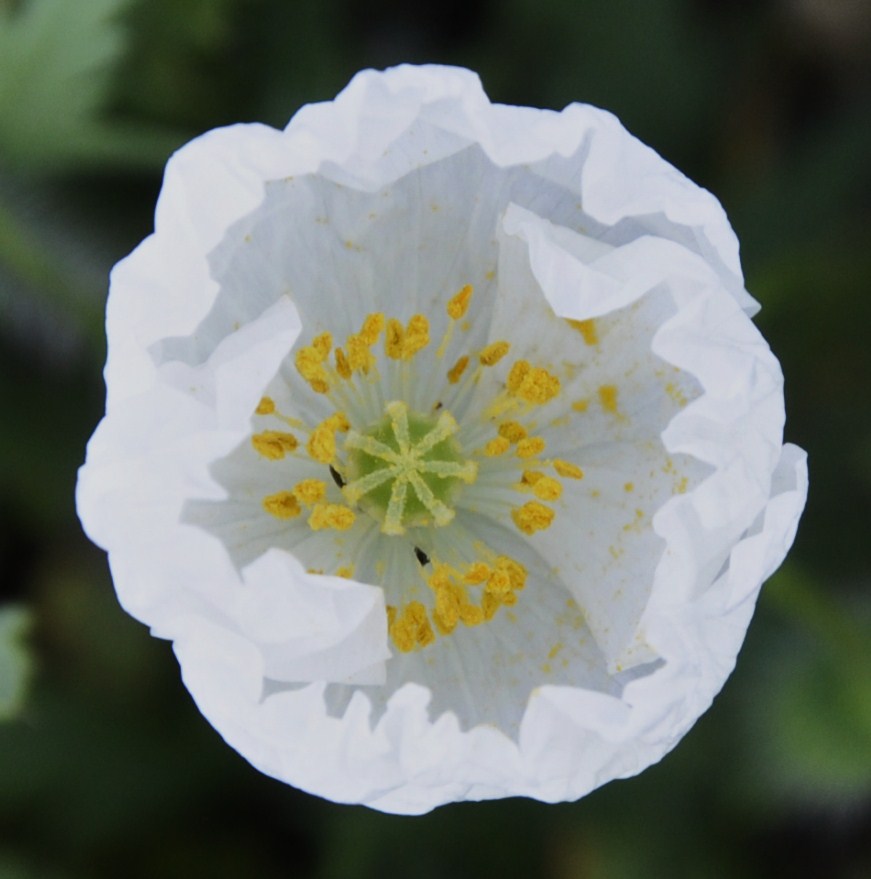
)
(440, 442)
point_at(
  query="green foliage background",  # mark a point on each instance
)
(106, 768)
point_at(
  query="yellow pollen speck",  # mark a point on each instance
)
(587, 328)
(310, 491)
(410, 628)
(274, 444)
(530, 447)
(282, 505)
(496, 447)
(493, 353)
(333, 516)
(581, 405)
(532, 517)
(681, 487)
(266, 406)
(416, 336)
(628, 486)
(608, 397)
(554, 651)
(393, 339)
(457, 370)
(676, 394)
(512, 431)
(567, 470)
(346, 571)
(458, 304)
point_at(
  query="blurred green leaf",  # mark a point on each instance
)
(808, 712)
(15, 664)
(56, 64)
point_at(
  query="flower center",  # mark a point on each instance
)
(409, 467)
(406, 469)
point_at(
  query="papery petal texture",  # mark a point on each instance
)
(440, 442)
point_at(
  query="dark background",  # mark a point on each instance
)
(106, 768)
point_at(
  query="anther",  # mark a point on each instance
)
(532, 517)
(567, 470)
(493, 353)
(458, 304)
(282, 505)
(274, 444)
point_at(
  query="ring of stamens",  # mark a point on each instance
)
(408, 469)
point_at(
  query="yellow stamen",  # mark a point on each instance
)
(567, 470)
(448, 600)
(530, 447)
(372, 326)
(416, 336)
(458, 304)
(478, 572)
(516, 375)
(496, 447)
(512, 431)
(339, 421)
(516, 571)
(532, 517)
(393, 339)
(309, 364)
(411, 628)
(274, 444)
(282, 505)
(493, 353)
(547, 489)
(360, 358)
(322, 442)
(498, 584)
(322, 345)
(342, 365)
(457, 370)
(310, 491)
(333, 516)
(266, 406)
(587, 328)
(537, 385)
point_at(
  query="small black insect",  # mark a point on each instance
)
(422, 557)
(438, 406)
(337, 477)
